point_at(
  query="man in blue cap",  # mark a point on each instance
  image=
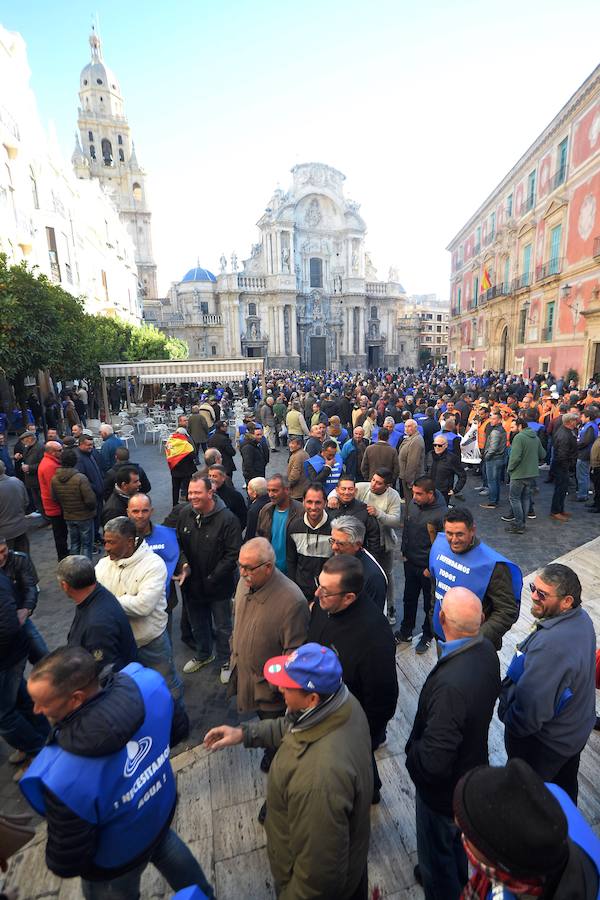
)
(320, 783)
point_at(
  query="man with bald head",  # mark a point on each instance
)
(52, 510)
(449, 737)
(271, 619)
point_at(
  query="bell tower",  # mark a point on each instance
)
(104, 149)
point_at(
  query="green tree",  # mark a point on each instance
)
(40, 324)
(177, 349)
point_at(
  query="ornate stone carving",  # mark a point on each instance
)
(285, 259)
(313, 213)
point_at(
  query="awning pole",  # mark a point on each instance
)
(107, 415)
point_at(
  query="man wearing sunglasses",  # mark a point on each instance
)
(547, 702)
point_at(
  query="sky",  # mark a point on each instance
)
(423, 106)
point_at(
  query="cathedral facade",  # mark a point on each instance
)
(104, 150)
(308, 295)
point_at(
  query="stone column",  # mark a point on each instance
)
(284, 350)
(293, 329)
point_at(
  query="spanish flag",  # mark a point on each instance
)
(486, 281)
(177, 448)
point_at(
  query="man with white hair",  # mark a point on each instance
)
(449, 737)
(110, 442)
(258, 497)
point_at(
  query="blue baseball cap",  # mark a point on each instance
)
(309, 668)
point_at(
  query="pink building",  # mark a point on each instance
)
(525, 276)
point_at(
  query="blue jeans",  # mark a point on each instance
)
(520, 493)
(81, 537)
(37, 645)
(202, 617)
(158, 655)
(19, 725)
(582, 471)
(493, 471)
(442, 859)
(174, 861)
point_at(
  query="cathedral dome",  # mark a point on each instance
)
(97, 74)
(199, 274)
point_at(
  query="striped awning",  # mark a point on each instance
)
(183, 370)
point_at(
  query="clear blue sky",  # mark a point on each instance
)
(424, 107)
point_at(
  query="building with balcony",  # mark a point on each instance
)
(525, 270)
(433, 315)
(68, 229)
(308, 295)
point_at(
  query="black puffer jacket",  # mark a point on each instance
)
(210, 544)
(100, 727)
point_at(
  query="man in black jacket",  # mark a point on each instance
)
(424, 519)
(449, 737)
(221, 441)
(122, 459)
(257, 498)
(430, 427)
(124, 719)
(210, 538)
(19, 726)
(445, 468)
(127, 483)
(224, 489)
(255, 455)
(19, 568)
(347, 537)
(100, 624)
(564, 444)
(362, 638)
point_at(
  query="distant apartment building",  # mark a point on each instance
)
(433, 316)
(525, 270)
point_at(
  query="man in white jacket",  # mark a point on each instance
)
(137, 577)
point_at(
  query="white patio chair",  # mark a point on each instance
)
(127, 434)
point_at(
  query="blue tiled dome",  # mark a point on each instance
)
(199, 274)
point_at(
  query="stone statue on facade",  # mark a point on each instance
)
(285, 259)
(354, 261)
(223, 264)
(253, 332)
(393, 274)
(313, 213)
(234, 262)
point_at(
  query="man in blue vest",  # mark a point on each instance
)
(523, 837)
(326, 467)
(104, 781)
(459, 559)
(547, 702)
(588, 432)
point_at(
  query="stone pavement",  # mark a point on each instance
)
(544, 541)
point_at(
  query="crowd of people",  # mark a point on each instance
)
(287, 587)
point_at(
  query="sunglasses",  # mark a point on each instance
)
(439, 445)
(543, 595)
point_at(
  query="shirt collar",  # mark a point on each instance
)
(447, 647)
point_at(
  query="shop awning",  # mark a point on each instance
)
(177, 371)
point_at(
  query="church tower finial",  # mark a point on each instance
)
(96, 45)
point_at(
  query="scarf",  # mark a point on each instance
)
(488, 881)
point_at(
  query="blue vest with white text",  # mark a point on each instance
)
(317, 462)
(129, 795)
(163, 541)
(472, 570)
(449, 436)
(394, 438)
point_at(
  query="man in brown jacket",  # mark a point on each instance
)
(296, 475)
(378, 455)
(73, 492)
(271, 619)
(411, 458)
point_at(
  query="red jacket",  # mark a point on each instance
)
(46, 470)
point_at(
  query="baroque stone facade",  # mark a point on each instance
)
(307, 296)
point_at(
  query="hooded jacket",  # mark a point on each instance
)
(73, 492)
(138, 582)
(526, 454)
(210, 544)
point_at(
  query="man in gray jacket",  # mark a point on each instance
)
(411, 458)
(13, 508)
(493, 457)
(547, 702)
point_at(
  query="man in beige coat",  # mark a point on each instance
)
(271, 619)
(296, 475)
(411, 458)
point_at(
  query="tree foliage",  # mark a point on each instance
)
(42, 326)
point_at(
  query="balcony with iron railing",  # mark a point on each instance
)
(549, 269)
(557, 178)
(476, 249)
(596, 250)
(527, 204)
(548, 334)
(521, 282)
(489, 238)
